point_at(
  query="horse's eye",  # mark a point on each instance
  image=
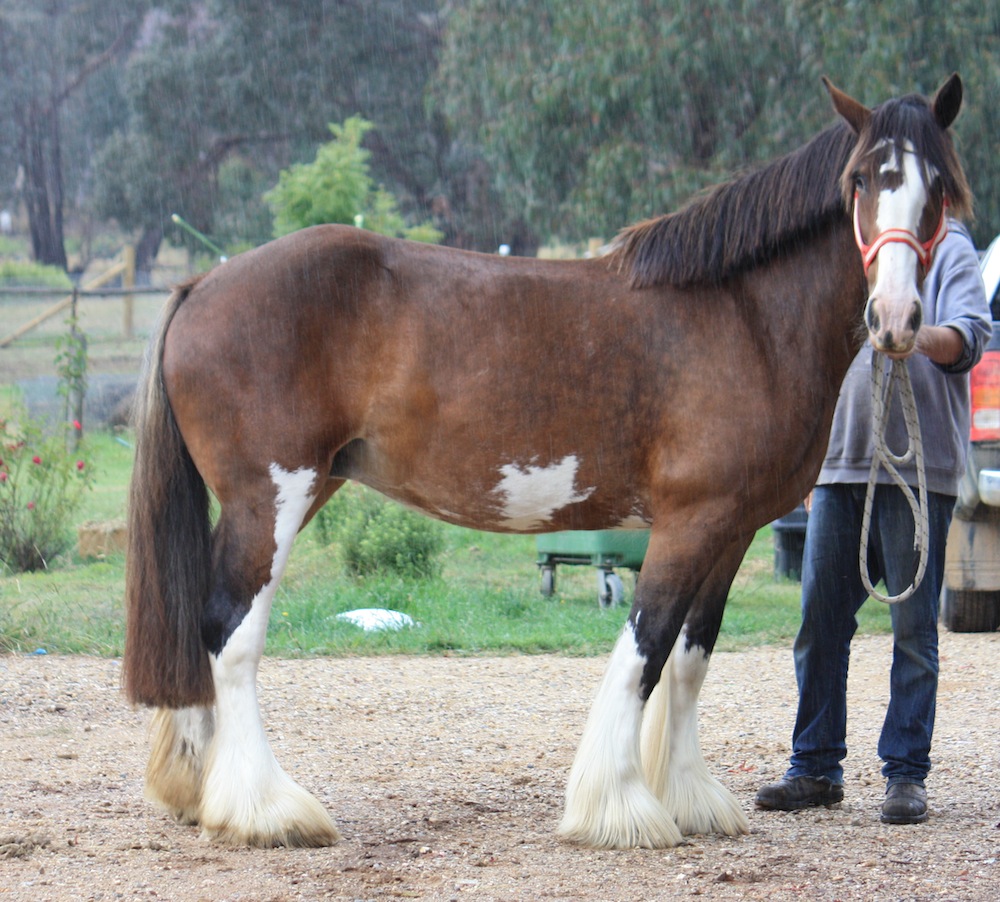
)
(860, 182)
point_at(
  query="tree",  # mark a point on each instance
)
(223, 96)
(337, 187)
(594, 115)
(49, 55)
(913, 45)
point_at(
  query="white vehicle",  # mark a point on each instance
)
(970, 599)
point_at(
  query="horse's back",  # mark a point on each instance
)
(432, 374)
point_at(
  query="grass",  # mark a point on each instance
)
(486, 601)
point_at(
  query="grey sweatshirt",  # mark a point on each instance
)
(952, 295)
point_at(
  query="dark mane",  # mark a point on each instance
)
(911, 119)
(741, 223)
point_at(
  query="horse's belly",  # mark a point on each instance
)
(520, 497)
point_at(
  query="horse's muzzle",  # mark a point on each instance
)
(893, 329)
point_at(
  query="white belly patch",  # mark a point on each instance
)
(530, 495)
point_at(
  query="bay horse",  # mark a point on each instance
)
(686, 382)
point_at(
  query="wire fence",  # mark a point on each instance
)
(117, 323)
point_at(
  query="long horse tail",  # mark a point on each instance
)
(168, 565)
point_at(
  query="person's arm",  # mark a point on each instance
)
(944, 345)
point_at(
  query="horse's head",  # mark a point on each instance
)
(903, 180)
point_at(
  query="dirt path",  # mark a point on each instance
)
(446, 777)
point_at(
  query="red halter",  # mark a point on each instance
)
(924, 250)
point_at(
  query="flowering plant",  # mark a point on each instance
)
(41, 486)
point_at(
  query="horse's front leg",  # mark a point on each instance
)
(609, 803)
(246, 798)
(671, 753)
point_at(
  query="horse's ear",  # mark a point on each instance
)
(948, 101)
(855, 114)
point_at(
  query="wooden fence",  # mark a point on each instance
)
(123, 268)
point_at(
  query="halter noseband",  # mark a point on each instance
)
(924, 249)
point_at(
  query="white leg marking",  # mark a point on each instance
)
(177, 760)
(247, 798)
(531, 495)
(671, 752)
(608, 804)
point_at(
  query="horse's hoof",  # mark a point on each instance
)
(638, 822)
(312, 829)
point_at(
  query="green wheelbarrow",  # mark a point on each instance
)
(605, 549)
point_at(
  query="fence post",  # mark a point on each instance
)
(128, 281)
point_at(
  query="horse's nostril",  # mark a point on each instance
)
(874, 323)
(916, 321)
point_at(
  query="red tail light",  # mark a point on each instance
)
(984, 384)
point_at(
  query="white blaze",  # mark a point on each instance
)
(899, 209)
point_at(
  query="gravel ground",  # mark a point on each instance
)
(446, 777)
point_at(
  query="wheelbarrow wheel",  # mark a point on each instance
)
(610, 590)
(548, 579)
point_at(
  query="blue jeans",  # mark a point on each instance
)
(832, 593)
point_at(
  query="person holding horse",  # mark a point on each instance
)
(956, 327)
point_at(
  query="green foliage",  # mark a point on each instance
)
(25, 274)
(596, 115)
(41, 486)
(58, 101)
(593, 115)
(337, 187)
(14, 248)
(208, 84)
(548, 119)
(377, 536)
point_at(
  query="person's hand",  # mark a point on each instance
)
(942, 344)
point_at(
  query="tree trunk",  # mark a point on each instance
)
(43, 185)
(145, 253)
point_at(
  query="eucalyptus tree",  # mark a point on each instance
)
(592, 115)
(52, 52)
(225, 95)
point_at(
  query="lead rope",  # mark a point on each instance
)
(883, 457)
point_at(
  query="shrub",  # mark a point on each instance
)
(379, 536)
(25, 274)
(41, 487)
(338, 187)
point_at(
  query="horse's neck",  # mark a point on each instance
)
(814, 327)
(821, 292)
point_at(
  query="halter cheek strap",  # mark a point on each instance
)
(924, 249)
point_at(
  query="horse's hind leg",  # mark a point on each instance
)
(180, 740)
(246, 798)
(671, 753)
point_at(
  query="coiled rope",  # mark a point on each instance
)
(897, 371)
